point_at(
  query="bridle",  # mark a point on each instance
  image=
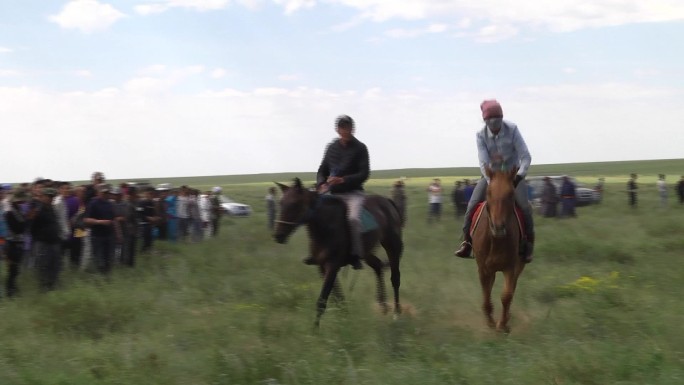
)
(307, 215)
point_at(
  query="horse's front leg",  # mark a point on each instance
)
(376, 264)
(487, 283)
(329, 276)
(510, 282)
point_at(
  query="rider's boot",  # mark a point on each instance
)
(356, 246)
(529, 249)
(465, 251)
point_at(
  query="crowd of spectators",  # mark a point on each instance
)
(95, 226)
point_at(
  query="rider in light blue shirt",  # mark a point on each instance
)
(500, 142)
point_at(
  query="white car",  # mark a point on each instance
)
(235, 209)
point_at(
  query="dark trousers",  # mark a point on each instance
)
(15, 251)
(73, 248)
(183, 228)
(103, 250)
(632, 199)
(146, 229)
(215, 223)
(435, 211)
(128, 249)
(49, 264)
(163, 231)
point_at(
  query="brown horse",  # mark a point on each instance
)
(496, 243)
(325, 217)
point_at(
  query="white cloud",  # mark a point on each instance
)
(486, 19)
(83, 73)
(569, 70)
(196, 5)
(494, 33)
(5, 50)
(87, 16)
(217, 73)
(289, 77)
(295, 5)
(8, 73)
(602, 92)
(415, 32)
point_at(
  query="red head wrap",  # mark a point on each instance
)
(491, 109)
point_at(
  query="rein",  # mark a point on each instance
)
(307, 215)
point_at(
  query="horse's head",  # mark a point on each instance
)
(294, 209)
(500, 199)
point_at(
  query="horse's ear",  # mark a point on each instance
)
(283, 187)
(297, 184)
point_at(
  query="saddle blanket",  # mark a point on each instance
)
(477, 214)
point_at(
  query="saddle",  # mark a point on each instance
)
(480, 208)
(368, 221)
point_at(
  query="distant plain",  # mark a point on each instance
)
(601, 303)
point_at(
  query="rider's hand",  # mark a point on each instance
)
(322, 189)
(517, 180)
(333, 180)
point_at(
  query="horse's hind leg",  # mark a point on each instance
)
(394, 251)
(487, 282)
(510, 282)
(376, 264)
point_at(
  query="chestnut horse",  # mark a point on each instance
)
(496, 244)
(325, 217)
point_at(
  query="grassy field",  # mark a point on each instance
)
(601, 304)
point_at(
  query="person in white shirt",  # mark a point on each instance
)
(435, 200)
(662, 190)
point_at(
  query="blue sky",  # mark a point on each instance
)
(205, 87)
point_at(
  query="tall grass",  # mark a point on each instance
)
(601, 304)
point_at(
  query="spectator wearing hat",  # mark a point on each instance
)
(16, 226)
(97, 178)
(46, 235)
(99, 216)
